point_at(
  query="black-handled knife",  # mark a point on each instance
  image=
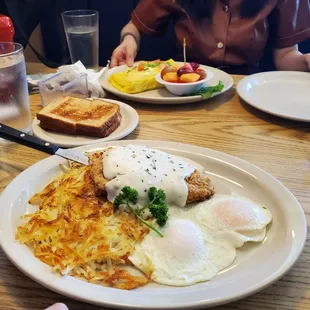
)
(20, 137)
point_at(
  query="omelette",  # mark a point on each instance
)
(139, 78)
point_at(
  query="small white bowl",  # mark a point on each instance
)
(181, 89)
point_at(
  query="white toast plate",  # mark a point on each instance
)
(256, 265)
(130, 120)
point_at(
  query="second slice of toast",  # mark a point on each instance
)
(76, 116)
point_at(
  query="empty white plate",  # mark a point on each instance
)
(285, 94)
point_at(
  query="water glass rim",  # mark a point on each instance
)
(79, 13)
(18, 49)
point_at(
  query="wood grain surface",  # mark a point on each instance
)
(279, 146)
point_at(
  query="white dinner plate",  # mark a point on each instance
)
(162, 95)
(284, 94)
(130, 120)
(256, 265)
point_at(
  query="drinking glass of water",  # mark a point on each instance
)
(81, 27)
(14, 97)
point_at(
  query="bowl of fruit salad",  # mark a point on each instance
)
(184, 79)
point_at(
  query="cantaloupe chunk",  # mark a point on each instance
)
(190, 77)
(171, 77)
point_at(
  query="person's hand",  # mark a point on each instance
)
(125, 53)
(58, 306)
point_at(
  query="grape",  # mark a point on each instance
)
(202, 73)
(183, 70)
(188, 66)
(166, 70)
(194, 65)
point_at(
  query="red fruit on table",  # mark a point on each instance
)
(188, 66)
(202, 73)
(184, 70)
(194, 65)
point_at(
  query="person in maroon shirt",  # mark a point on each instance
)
(223, 33)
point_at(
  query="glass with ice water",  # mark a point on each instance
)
(81, 27)
(14, 97)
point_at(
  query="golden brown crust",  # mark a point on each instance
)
(104, 130)
(67, 118)
(96, 170)
(199, 185)
(67, 109)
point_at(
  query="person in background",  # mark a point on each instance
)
(229, 34)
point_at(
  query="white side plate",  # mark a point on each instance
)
(284, 94)
(256, 265)
(162, 95)
(130, 120)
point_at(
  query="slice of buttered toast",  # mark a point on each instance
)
(76, 116)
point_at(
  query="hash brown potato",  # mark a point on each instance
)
(79, 234)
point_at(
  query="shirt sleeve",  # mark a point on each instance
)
(292, 22)
(151, 17)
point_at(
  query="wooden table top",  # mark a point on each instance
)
(280, 147)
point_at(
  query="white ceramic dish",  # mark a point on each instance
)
(284, 94)
(162, 95)
(130, 120)
(180, 89)
(255, 267)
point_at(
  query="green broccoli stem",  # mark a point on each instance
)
(143, 221)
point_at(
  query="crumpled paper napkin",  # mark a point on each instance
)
(71, 72)
(93, 78)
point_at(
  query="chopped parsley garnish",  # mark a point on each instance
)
(148, 171)
(152, 65)
(153, 165)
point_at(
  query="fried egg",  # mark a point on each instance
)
(200, 241)
(183, 257)
(233, 219)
